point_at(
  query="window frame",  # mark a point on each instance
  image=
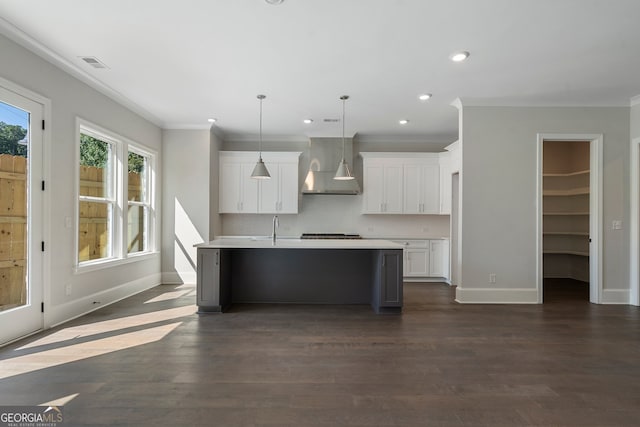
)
(148, 204)
(119, 220)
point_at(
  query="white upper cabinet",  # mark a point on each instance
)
(422, 187)
(384, 180)
(401, 183)
(239, 193)
(280, 193)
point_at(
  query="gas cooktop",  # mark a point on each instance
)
(330, 236)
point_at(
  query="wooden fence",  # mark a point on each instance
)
(92, 243)
(93, 238)
(13, 231)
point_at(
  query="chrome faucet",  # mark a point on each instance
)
(276, 224)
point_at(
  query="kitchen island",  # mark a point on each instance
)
(255, 270)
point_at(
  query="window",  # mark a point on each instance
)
(115, 203)
(97, 197)
(138, 201)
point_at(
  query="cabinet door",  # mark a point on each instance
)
(289, 189)
(230, 189)
(439, 258)
(412, 189)
(249, 189)
(390, 286)
(269, 193)
(208, 280)
(373, 188)
(393, 194)
(417, 263)
(430, 181)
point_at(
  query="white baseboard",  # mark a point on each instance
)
(178, 278)
(496, 296)
(55, 315)
(425, 279)
(615, 296)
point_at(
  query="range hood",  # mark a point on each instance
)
(324, 156)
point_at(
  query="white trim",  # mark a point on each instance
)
(496, 296)
(509, 102)
(62, 313)
(634, 225)
(615, 296)
(101, 264)
(178, 278)
(122, 146)
(31, 44)
(425, 280)
(595, 210)
(634, 101)
(44, 228)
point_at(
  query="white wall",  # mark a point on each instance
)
(635, 119)
(499, 196)
(215, 219)
(71, 98)
(186, 203)
(336, 213)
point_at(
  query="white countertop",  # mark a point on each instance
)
(294, 243)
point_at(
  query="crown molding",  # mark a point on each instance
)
(26, 41)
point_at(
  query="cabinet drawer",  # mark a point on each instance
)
(413, 244)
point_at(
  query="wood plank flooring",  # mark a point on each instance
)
(150, 360)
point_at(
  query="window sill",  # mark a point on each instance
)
(114, 262)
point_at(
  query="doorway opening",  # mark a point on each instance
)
(569, 231)
(565, 224)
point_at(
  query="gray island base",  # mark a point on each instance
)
(299, 272)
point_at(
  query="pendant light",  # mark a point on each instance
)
(260, 171)
(343, 173)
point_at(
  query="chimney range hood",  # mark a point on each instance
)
(324, 156)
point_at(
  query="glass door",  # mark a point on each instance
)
(21, 289)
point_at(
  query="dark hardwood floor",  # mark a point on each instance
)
(149, 360)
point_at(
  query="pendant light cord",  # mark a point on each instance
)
(343, 107)
(261, 97)
(344, 100)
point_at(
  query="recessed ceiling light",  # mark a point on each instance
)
(424, 96)
(459, 56)
(403, 121)
(307, 121)
(212, 120)
(274, 2)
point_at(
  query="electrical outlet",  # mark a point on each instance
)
(67, 289)
(492, 277)
(616, 225)
(67, 222)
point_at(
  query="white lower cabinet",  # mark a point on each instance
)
(439, 258)
(425, 259)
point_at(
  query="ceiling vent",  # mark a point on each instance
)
(93, 61)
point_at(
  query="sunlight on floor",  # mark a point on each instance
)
(75, 352)
(168, 296)
(106, 326)
(60, 401)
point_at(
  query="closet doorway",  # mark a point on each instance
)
(570, 212)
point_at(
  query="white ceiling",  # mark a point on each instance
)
(180, 63)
